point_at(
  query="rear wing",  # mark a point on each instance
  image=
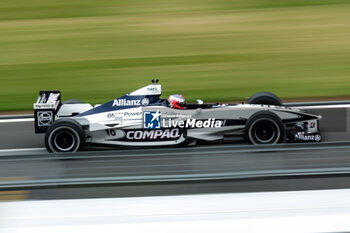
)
(45, 109)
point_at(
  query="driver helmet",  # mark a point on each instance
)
(177, 101)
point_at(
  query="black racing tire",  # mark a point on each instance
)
(266, 98)
(73, 101)
(65, 135)
(264, 128)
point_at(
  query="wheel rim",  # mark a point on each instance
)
(265, 131)
(64, 140)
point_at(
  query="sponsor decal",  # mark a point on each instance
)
(110, 115)
(175, 115)
(307, 137)
(125, 102)
(145, 101)
(130, 114)
(122, 113)
(151, 120)
(312, 125)
(41, 106)
(152, 89)
(317, 137)
(149, 135)
(45, 118)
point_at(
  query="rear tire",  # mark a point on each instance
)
(264, 128)
(65, 136)
(266, 98)
(73, 101)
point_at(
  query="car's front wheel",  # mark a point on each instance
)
(264, 128)
(65, 136)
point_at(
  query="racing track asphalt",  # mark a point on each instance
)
(189, 161)
(335, 126)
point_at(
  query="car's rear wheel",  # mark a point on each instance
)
(266, 98)
(264, 128)
(73, 101)
(65, 136)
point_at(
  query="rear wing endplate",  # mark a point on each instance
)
(45, 109)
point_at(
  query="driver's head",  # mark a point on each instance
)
(177, 101)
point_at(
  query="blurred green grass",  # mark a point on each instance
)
(216, 50)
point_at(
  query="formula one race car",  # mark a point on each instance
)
(142, 118)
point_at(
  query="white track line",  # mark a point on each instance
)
(16, 120)
(324, 106)
(22, 149)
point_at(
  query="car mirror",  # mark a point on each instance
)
(199, 101)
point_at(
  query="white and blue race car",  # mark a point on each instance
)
(143, 118)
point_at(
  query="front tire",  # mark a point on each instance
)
(65, 136)
(264, 128)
